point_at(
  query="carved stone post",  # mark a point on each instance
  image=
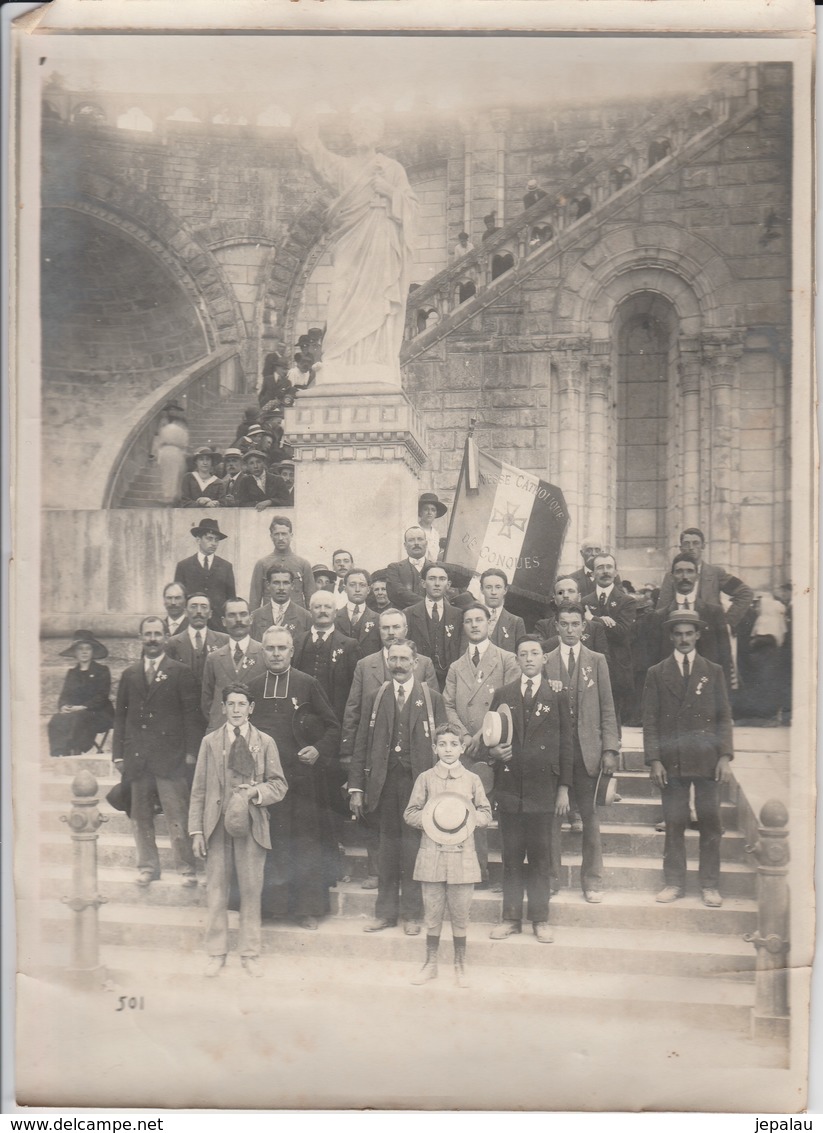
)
(770, 1017)
(689, 371)
(567, 359)
(500, 122)
(597, 411)
(721, 354)
(84, 820)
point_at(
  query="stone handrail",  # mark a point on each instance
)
(197, 387)
(770, 1017)
(599, 182)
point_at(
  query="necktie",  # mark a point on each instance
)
(602, 600)
(529, 696)
(355, 613)
(476, 657)
(151, 671)
(240, 758)
(401, 698)
(198, 641)
(436, 613)
(278, 617)
(341, 585)
(206, 561)
(686, 669)
(238, 655)
(571, 663)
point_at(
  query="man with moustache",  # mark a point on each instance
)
(292, 708)
(174, 599)
(394, 744)
(712, 581)
(594, 632)
(303, 586)
(280, 609)
(193, 646)
(505, 628)
(584, 674)
(157, 732)
(713, 642)
(233, 464)
(403, 579)
(342, 561)
(240, 659)
(616, 610)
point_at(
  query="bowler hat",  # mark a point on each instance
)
(605, 789)
(307, 727)
(497, 727)
(119, 797)
(431, 498)
(208, 527)
(684, 617)
(86, 637)
(449, 818)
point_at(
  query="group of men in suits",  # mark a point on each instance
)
(374, 685)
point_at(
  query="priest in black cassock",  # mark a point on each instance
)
(292, 708)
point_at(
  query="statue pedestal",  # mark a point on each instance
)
(359, 448)
(334, 374)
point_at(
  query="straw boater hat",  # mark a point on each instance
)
(531, 183)
(605, 789)
(254, 452)
(208, 527)
(497, 727)
(86, 637)
(232, 452)
(206, 450)
(684, 617)
(431, 498)
(449, 818)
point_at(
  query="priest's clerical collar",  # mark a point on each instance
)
(276, 691)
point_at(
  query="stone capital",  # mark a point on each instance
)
(721, 351)
(600, 375)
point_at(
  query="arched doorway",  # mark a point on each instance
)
(646, 343)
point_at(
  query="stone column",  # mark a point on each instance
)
(689, 431)
(500, 121)
(721, 353)
(598, 521)
(567, 360)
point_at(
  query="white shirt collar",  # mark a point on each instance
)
(564, 652)
(439, 602)
(691, 597)
(317, 635)
(406, 686)
(276, 605)
(153, 661)
(192, 631)
(481, 646)
(352, 609)
(203, 558)
(535, 684)
(175, 622)
(244, 731)
(243, 644)
(418, 564)
(678, 656)
(604, 590)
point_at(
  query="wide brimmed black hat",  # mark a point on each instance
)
(86, 637)
(431, 498)
(208, 527)
(307, 727)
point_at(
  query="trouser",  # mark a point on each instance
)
(295, 879)
(174, 799)
(398, 894)
(249, 859)
(439, 895)
(481, 837)
(583, 796)
(526, 838)
(675, 797)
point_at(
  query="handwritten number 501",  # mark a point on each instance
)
(132, 1002)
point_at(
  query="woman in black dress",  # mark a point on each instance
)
(84, 708)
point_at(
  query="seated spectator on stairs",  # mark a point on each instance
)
(301, 375)
(275, 385)
(84, 708)
(271, 420)
(260, 488)
(233, 461)
(286, 472)
(533, 193)
(249, 419)
(201, 488)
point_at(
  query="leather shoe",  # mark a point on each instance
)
(411, 928)
(594, 896)
(189, 881)
(660, 827)
(214, 966)
(146, 877)
(309, 923)
(543, 932)
(252, 966)
(369, 883)
(504, 929)
(378, 925)
(712, 898)
(668, 894)
(576, 826)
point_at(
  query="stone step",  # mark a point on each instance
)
(342, 981)
(652, 953)
(623, 882)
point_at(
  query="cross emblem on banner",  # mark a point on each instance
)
(509, 519)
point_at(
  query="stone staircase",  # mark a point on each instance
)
(627, 957)
(215, 425)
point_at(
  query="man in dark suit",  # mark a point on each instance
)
(355, 619)
(157, 731)
(567, 591)
(403, 581)
(259, 487)
(240, 659)
(505, 628)
(585, 678)
(292, 708)
(395, 744)
(687, 738)
(584, 577)
(205, 572)
(435, 626)
(533, 773)
(174, 599)
(712, 581)
(713, 642)
(370, 673)
(233, 464)
(194, 644)
(279, 608)
(616, 610)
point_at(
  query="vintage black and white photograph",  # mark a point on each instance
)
(415, 511)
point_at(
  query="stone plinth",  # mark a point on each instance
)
(359, 449)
